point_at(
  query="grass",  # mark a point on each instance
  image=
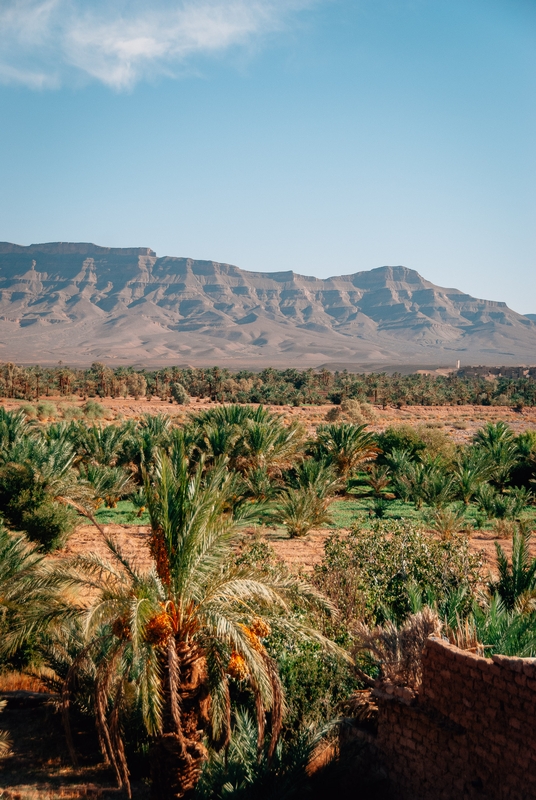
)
(346, 513)
(125, 513)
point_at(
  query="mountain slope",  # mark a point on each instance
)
(81, 303)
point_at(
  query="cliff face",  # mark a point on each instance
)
(80, 303)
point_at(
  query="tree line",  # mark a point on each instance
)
(270, 386)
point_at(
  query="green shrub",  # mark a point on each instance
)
(315, 683)
(179, 394)
(46, 410)
(94, 410)
(29, 410)
(71, 412)
(49, 524)
(372, 573)
(403, 438)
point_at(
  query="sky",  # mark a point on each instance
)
(322, 136)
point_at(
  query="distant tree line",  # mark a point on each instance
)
(272, 386)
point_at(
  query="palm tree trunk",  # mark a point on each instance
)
(178, 753)
(176, 765)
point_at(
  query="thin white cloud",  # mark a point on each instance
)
(44, 43)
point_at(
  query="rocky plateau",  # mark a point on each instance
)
(79, 303)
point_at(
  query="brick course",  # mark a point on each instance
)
(469, 733)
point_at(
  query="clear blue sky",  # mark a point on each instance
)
(325, 137)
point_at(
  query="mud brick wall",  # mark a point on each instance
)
(469, 733)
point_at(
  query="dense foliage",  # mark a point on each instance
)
(512, 386)
(216, 667)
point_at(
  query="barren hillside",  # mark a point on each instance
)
(81, 303)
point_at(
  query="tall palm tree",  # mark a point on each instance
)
(177, 633)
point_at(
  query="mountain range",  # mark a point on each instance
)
(80, 303)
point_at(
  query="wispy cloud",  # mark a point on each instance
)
(44, 43)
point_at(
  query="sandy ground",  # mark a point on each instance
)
(459, 422)
(299, 554)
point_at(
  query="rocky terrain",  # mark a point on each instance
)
(81, 303)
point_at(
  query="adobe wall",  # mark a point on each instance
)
(470, 733)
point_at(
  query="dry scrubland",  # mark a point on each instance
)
(460, 422)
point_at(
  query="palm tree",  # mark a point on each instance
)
(304, 504)
(239, 769)
(14, 427)
(410, 481)
(375, 481)
(316, 475)
(107, 483)
(498, 443)
(447, 521)
(153, 434)
(345, 446)
(30, 591)
(470, 471)
(438, 486)
(104, 444)
(267, 444)
(174, 635)
(300, 510)
(517, 579)
(399, 462)
(251, 438)
(38, 480)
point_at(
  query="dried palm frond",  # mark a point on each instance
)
(398, 651)
(5, 740)
(361, 705)
(465, 636)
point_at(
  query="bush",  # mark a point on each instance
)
(46, 410)
(179, 394)
(93, 410)
(315, 683)
(29, 410)
(49, 524)
(356, 412)
(372, 573)
(334, 414)
(403, 438)
(71, 412)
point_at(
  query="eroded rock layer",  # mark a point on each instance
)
(81, 303)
